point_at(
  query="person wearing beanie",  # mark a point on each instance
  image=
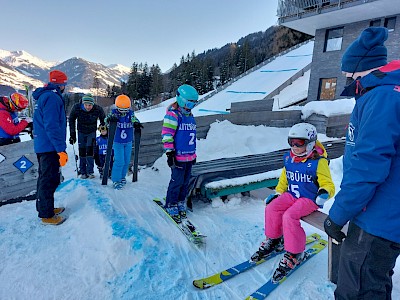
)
(57, 77)
(369, 195)
(50, 132)
(86, 113)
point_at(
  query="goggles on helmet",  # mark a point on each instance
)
(189, 104)
(296, 142)
(18, 101)
(123, 110)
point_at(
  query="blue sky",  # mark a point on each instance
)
(160, 31)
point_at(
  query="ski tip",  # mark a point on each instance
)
(201, 284)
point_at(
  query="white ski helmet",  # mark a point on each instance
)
(306, 132)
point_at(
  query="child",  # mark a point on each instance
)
(122, 146)
(10, 125)
(100, 150)
(179, 139)
(304, 185)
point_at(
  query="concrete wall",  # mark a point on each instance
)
(327, 64)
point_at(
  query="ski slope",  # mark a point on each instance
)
(119, 245)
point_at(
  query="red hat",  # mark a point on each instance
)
(58, 77)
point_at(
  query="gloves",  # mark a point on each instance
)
(63, 158)
(334, 230)
(171, 159)
(137, 125)
(72, 140)
(271, 197)
(322, 197)
(112, 118)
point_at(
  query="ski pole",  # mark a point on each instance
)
(76, 161)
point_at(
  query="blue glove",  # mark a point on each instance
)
(322, 197)
(270, 198)
(334, 230)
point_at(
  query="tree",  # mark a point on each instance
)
(96, 83)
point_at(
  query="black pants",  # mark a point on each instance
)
(366, 266)
(48, 181)
(4, 141)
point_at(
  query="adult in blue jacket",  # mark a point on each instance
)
(370, 188)
(49, 122)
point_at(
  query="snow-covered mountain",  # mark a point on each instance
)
(26, 63)
(9, 76)
(80, 71)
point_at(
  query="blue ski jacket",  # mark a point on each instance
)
(370, 188)
(49, 121)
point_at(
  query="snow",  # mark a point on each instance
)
(119, 245)
(18, 58)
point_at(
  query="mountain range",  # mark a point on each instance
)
(19, 68)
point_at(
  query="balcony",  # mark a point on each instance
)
(309, 15)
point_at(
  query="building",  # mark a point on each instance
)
(335, 24)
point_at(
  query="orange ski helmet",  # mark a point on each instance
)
(123, 103)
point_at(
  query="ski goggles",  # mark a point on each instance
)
(122, 110)
(296, 142)
(102, 127)
(190, 104)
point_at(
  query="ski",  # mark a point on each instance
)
(186, 227)
(267, 288)
(207, 282)
(111, 133)
(137, 136)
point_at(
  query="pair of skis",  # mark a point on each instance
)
(186, 226)
(268, 287)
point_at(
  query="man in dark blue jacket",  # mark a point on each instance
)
(370, 188)
(50, 130)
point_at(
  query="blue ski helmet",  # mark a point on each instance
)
(187, 96)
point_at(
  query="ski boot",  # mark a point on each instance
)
(118, 185)
(123, 181)
(182, 209)
(288, 262)
(267, 247)
(174, 213)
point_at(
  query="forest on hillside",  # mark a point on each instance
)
(207, 70)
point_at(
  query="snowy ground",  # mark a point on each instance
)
(118, 245)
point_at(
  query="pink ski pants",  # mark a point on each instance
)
(282, 216)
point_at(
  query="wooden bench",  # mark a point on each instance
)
(203, 173)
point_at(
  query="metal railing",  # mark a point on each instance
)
(289, 8)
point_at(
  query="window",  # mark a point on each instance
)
(390, 23)
(333, 39)
(327, 88)
(375, 23)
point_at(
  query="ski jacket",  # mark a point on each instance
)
(370, 188)
(179, 133)
(124, 131)
(87, 120)
(10, 126)
(305, 178)
(49, 120)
